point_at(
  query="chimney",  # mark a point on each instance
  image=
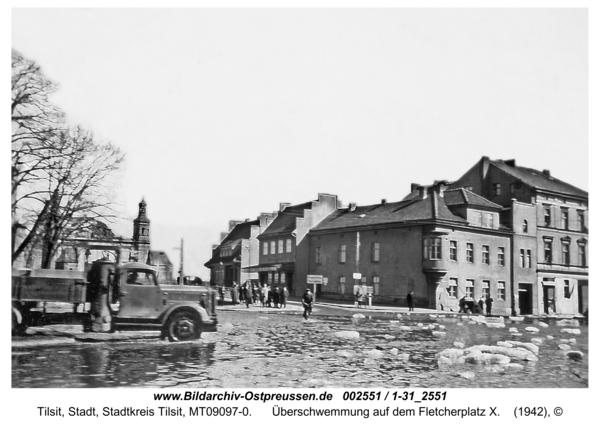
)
(422, 191)
(340, 205)
(247, 219)
(282, 206)
(510, 163)
(546, 172)
(233, 224)
(383, 202)
(485, 165)
(352, 207)
(413, 187)
(441, 186)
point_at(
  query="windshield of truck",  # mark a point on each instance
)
(141, 277)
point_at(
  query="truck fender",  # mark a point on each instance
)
(195, 307)
(18, 315)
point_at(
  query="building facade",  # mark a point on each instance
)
(549, 219)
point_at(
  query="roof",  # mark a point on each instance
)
(238, 232)
(158, 258)
(431, 208)
(285, 222)
(539, 180)
(138, 265)
(462, 196)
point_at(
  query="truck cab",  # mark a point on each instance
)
(138, 301)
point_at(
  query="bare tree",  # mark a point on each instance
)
(61, 177)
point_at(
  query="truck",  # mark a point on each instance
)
(112, 297)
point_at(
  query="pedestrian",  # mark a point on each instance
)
(307, 303)
(235, 294)
(283, 295)
(360, 298)
(480, 305)
(263, 295)
(247, 296)
(410, 301)
(462, 305)
(269, 296)
(276, 296)
(255, 293)
(488, 305)
(221, 295)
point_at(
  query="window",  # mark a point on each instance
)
(489, 220)
(280, 247)
(342, 254)
(548, 251)
(477, 218)
(581, 254)
(434, 250)
(375, 285)
(469, 252)
(547, 216)
(485, 254)
(363, 280)
(453, 287)
(522, 258)
(512, 188)
(496, 189)
(269, 278)
(485, 289)
(282, 278)
(375, 252)
(501, 291)
(453, 250)
(564, 219)
(528, 259)
(265, 248)
(469, 187)
(342, 283)
(580, 221)
(501, 256)
(566, 258)
(273, 247)
(567, 289)
(318, 255)
(469, 288)
(525, 226)
(288, 246)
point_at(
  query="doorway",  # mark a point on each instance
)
(582, 291)
(525, 298)
(549, 299)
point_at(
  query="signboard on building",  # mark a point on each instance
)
(325, 281)
(313, 279)
(357, 276)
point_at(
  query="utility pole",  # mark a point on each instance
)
(180, 249)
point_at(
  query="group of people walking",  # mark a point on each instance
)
(256, 294)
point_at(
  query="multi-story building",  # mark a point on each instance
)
(283, 256)
(549, 218)
(237, 251)
(442, 244)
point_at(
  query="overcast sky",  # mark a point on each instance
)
(225, 113)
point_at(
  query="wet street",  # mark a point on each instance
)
(334, 348)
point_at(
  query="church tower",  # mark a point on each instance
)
(141, 233)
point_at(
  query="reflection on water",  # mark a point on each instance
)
(276, 350)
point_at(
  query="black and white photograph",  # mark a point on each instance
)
(374, 205)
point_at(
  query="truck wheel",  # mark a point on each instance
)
(183, 326)
(17, 328)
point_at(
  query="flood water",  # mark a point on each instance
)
(261, 350)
